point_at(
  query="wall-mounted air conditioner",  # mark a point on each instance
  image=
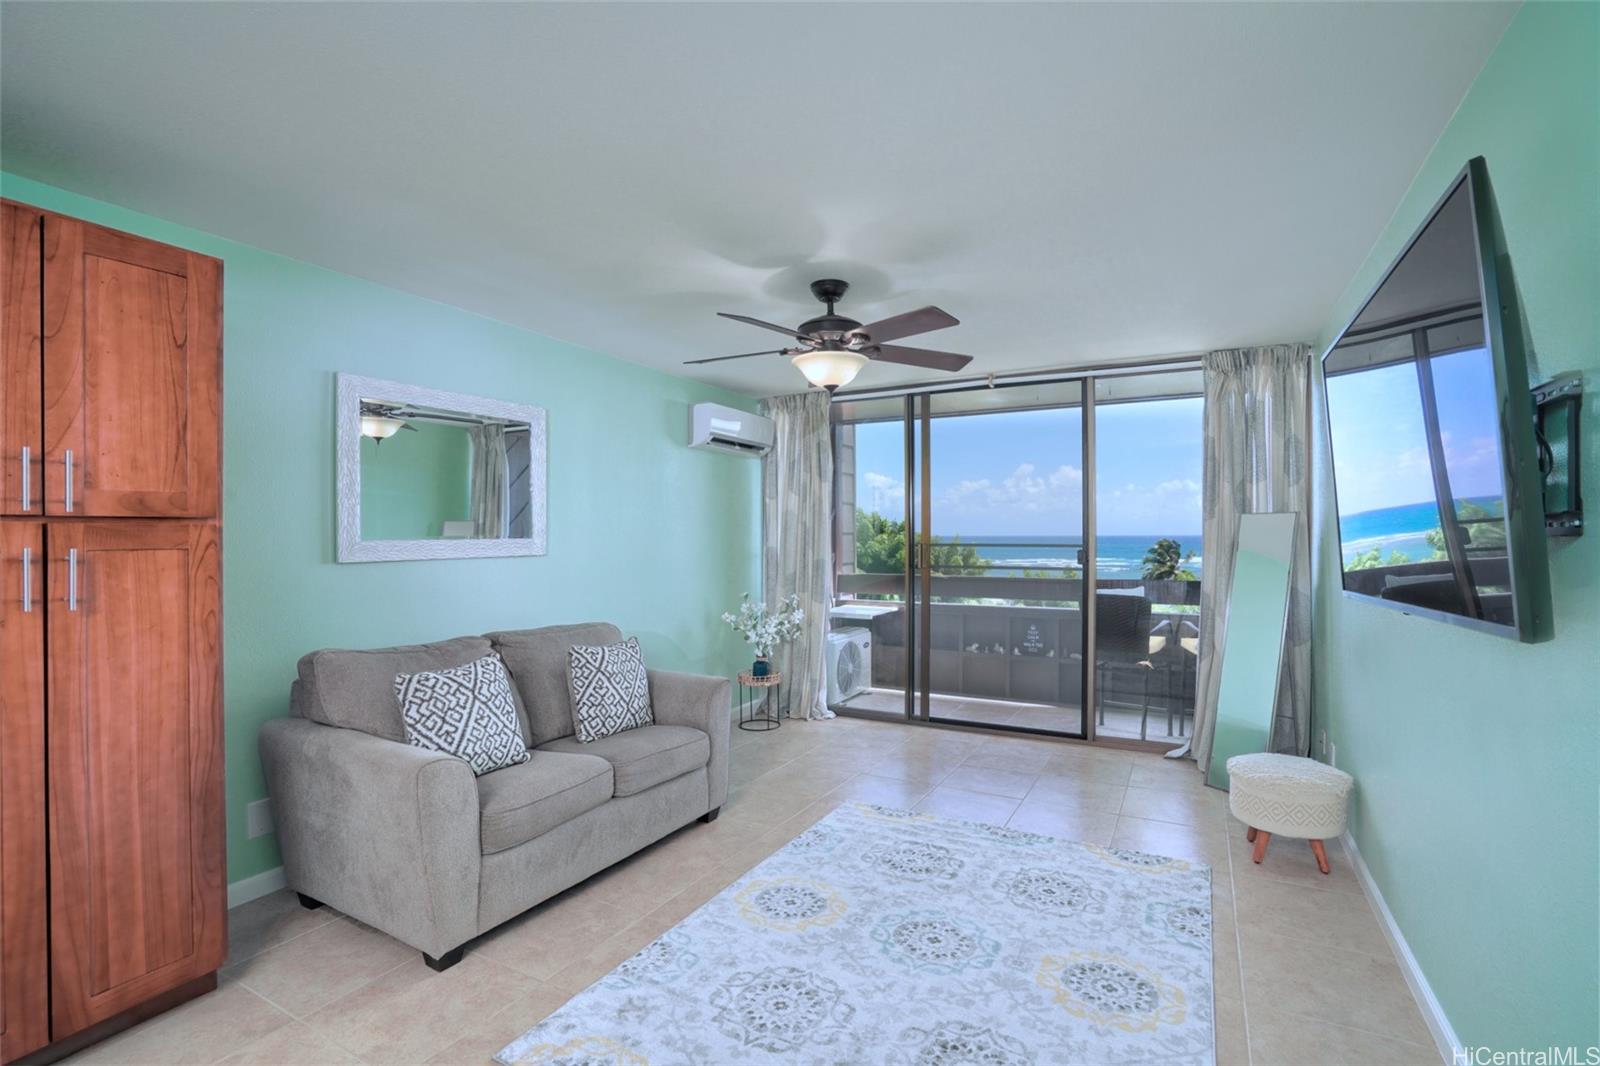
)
(727, 429)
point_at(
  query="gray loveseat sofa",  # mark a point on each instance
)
(410, 842)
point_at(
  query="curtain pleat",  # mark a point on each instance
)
(1257, 431)
(490, 495)
(797, 542)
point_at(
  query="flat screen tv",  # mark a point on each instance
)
(1430, 420)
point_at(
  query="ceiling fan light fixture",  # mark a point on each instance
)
(829, 368)
(379, 427)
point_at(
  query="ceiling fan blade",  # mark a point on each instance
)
(923, 357)
(721, 358)
(796, 334)
(922, 320)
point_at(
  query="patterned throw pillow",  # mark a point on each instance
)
(466, 711)
(610, 690)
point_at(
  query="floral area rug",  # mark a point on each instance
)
(885, 936)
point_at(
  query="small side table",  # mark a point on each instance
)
(760, 702)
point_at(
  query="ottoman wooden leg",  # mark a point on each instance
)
(1262, 839)
(1250, 834)
(1322, 855)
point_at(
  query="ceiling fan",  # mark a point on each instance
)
(833, 348)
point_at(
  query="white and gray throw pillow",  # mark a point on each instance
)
(610, 690)
(466, 711)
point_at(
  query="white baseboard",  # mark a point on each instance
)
(249, 888)
(1444, 1034)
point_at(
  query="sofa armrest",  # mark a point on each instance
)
(706, 703)
(383, 831)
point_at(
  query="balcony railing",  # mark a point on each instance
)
(1021, 639)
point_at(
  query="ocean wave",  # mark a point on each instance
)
(1103, 563)
(1382, 540)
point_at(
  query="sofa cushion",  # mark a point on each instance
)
(537, 659)
(466, 711)
(524, 801)
(645, 757)
(355, 689)
(610, 689)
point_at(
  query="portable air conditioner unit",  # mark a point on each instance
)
(727, 429)
(849, 663)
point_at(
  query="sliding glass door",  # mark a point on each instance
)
(1022, 558)
(1002, 578)
(958, 537)
(870, 664)
(1149, 461)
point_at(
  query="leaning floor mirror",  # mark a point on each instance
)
(426, 474)
(1252, 643)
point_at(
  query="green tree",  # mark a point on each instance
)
(1372, 559)
(1167, 561)
(880, 544)
(1482, 528)
(881, 549)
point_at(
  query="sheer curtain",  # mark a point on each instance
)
(797, 540)
(490, 500)
(1258, 412)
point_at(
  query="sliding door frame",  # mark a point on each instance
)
(917, 577)
(1087, 599)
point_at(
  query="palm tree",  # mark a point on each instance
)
(1165, 561)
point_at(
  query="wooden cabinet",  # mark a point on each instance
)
(137, 887)
(113, 889)
(24, 962)
(21, 362)
(132, 341)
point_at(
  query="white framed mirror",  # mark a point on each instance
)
(428, 474)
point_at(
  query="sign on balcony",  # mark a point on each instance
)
(1033, 640)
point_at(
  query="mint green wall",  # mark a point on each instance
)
(643, 531)
(1477, 759)
(415, 481)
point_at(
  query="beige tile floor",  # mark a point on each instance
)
(1303, 972)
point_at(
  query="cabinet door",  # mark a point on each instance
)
(137, 883)
(21, 428)
(132, 365)
(24, 967)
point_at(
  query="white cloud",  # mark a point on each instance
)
(1172, 506)
(1031, 500)
(881, 493)
(1023, 489)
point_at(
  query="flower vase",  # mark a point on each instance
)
(762, 667)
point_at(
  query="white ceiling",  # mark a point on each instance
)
(1076, 183)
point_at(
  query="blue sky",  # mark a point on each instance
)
(1020, 473)
(1380, 452)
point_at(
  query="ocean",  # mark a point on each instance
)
(1116, 556)
(1403, 529)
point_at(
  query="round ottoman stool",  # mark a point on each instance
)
(1288, 796)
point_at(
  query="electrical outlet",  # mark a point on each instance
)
(1333, 755)
(1323, 742)
(258, 818)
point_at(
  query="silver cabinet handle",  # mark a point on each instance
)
(27, 580)
(69, 480)
(72, 577)
(27, 477)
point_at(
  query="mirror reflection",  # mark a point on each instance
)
(428, 473)
(1252, 645)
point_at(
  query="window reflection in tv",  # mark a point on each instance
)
(1415, 433)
